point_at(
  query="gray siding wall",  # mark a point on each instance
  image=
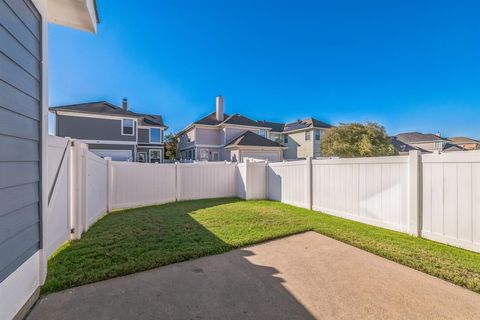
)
(112, 146)
(143, 135)
(20, 133)
(92, 128)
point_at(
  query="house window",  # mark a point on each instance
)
(285, 138)
(317, 134)
(439, 145)
(215, 156)
(155, 155)
(155, 135)
(142, 157)
(307, 135)
(127, 127)
(262, 132)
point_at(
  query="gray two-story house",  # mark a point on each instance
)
(219, 136)
(112, 131)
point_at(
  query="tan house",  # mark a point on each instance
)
(466, 143)
(219, 137)
(424, 142)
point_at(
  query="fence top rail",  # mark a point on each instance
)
(288, 163)
(92, 156)
(59, 142)
(141, 164)
(452, 157)
(372, 160)
(207, 163)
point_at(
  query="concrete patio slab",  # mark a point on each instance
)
(306, 276)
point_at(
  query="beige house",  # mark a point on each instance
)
(466, 143)
(219, 137)
(424, 142)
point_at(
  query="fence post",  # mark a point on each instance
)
(414, 193)
(73, 174)
(109, 184)
(84, 189)
(247, 180)
(308, 183)
(177, 181)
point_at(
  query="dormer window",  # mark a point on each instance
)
(127, 127)
(262, 132)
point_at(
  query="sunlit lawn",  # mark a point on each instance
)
(139, 239)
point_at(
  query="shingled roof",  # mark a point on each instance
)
(106, 108)
(305, 124)
(417, 137)
(250, 139)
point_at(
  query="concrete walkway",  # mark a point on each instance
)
(306, 276)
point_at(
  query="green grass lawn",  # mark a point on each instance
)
(139, 239)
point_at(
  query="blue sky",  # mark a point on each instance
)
(409, 65)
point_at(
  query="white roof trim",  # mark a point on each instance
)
(77, 14)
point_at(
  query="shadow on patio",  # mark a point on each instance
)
(217, 287)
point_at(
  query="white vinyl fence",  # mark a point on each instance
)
(57, 218)
(434, 195)
(451, 198)
(77, 182)
(140, 184)
(370, 190)
(96, 188)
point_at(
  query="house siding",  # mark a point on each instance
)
(20, 133)
(88, 128)
(298, 147)
(207, 136)
(143, 135)
(183, 143)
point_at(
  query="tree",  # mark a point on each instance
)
(350, 140)
(171, 146)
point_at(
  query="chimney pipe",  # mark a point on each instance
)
(219, 108)
(438, 134)
(125, 104)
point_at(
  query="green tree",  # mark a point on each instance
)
(350, 140)
(171, 146)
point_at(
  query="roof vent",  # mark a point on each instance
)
(125, 104)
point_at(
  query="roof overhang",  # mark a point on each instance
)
(255, 147)
(304, 129)
(77, 14)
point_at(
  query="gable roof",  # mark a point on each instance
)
(210, 119)
(463, 140)
(274, 126)
(305, 124)
(238, 119)
(417, 137)
(452, 147)
(250, 139)
(106, 108)
(402, 147)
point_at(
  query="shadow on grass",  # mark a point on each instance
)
(140, 239)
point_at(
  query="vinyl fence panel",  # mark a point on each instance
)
(57, 220)
(370, 190)
(139, 184)
(206, 180)
(96, 188)
(451, 198)
(286, 182)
